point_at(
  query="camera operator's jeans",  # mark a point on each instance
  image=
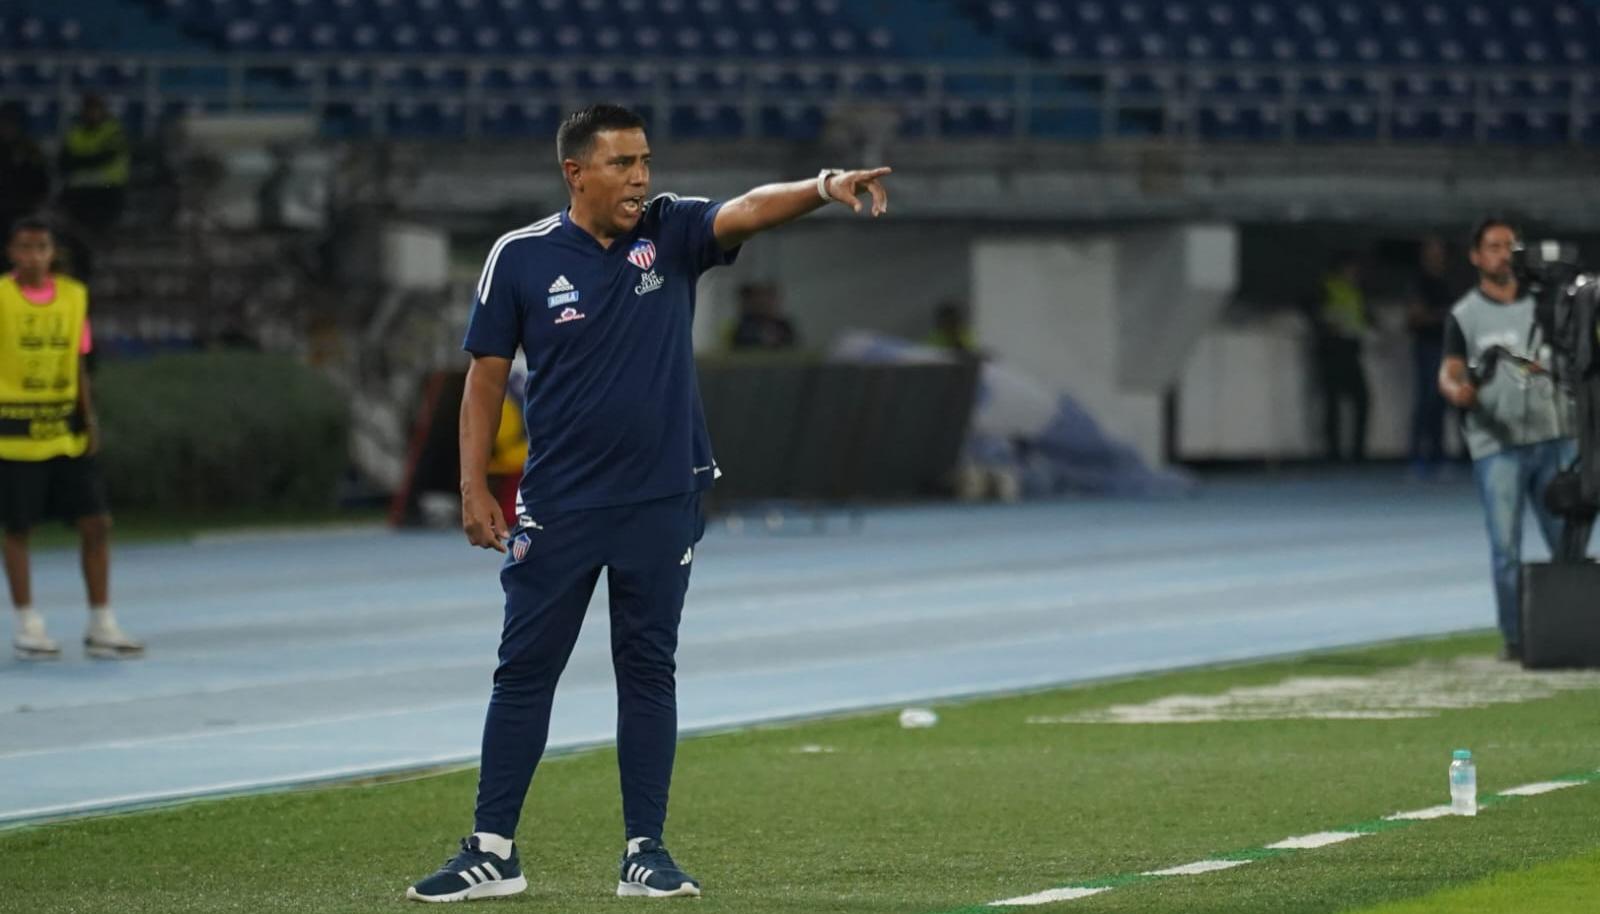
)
(1507, 481)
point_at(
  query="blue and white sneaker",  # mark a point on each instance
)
(474, 873)
(648, 872)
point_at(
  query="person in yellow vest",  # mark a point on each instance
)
(95, 166)
(952, 329)
(1342, 324)
(48, 440)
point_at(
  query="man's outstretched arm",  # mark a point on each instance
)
(771, 205)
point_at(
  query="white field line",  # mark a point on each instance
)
(1300, 842)
(1533, 790)
(1308, 842)
(1418, 815)
(1197, 868)
(1046, 897)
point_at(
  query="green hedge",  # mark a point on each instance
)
(230, 429)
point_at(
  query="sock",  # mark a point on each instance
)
(633, 844)
(494, 844)
(102, 619)
(29, 622)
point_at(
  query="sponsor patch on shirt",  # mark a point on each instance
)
(649, 282)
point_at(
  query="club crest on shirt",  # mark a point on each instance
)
(643, 254)
(569, 314)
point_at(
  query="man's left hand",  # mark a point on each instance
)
(847, 186)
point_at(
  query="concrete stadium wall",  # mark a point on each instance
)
(1107, 316)
(1248, 393)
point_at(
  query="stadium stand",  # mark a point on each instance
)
(1213, 70)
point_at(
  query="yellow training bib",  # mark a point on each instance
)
(39, 357)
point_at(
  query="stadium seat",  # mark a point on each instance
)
(510, 120)
(107, 76)
(1447, 124)
(1589, 132)
(349, 119)
(521, 77)
(1527, 128)
(412, 119)
(428, 76)
(44, 74)
(707, 121)
(44, 116)
(791, 121)
(611, 79)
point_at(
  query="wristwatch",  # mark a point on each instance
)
(822, 181)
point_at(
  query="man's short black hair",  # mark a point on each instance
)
(31, 224)
(1492, 222)
(576, 136)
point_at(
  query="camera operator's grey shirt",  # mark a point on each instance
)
(1517, 406)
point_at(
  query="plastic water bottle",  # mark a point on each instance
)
(1463, 784)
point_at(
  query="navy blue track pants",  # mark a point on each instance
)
(646, 551)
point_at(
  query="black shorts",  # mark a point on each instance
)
(62, 488)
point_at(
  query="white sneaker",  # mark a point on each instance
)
(110, 642)
(35, 645)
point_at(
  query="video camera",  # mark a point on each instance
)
(1560, 625)
(1566, 300)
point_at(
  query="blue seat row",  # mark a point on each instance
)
(728, 28)
(1372, 31)
(505, 115)
(28, 32)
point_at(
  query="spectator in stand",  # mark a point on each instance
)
(95, 166)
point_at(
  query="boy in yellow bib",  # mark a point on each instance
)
(48, 440)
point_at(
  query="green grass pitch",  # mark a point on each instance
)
(982, 807)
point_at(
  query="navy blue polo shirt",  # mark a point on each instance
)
(612, 407)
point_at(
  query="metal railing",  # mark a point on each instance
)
(1191, 102)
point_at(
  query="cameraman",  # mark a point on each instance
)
(1495, 371)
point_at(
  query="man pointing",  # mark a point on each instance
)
(600, 298)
